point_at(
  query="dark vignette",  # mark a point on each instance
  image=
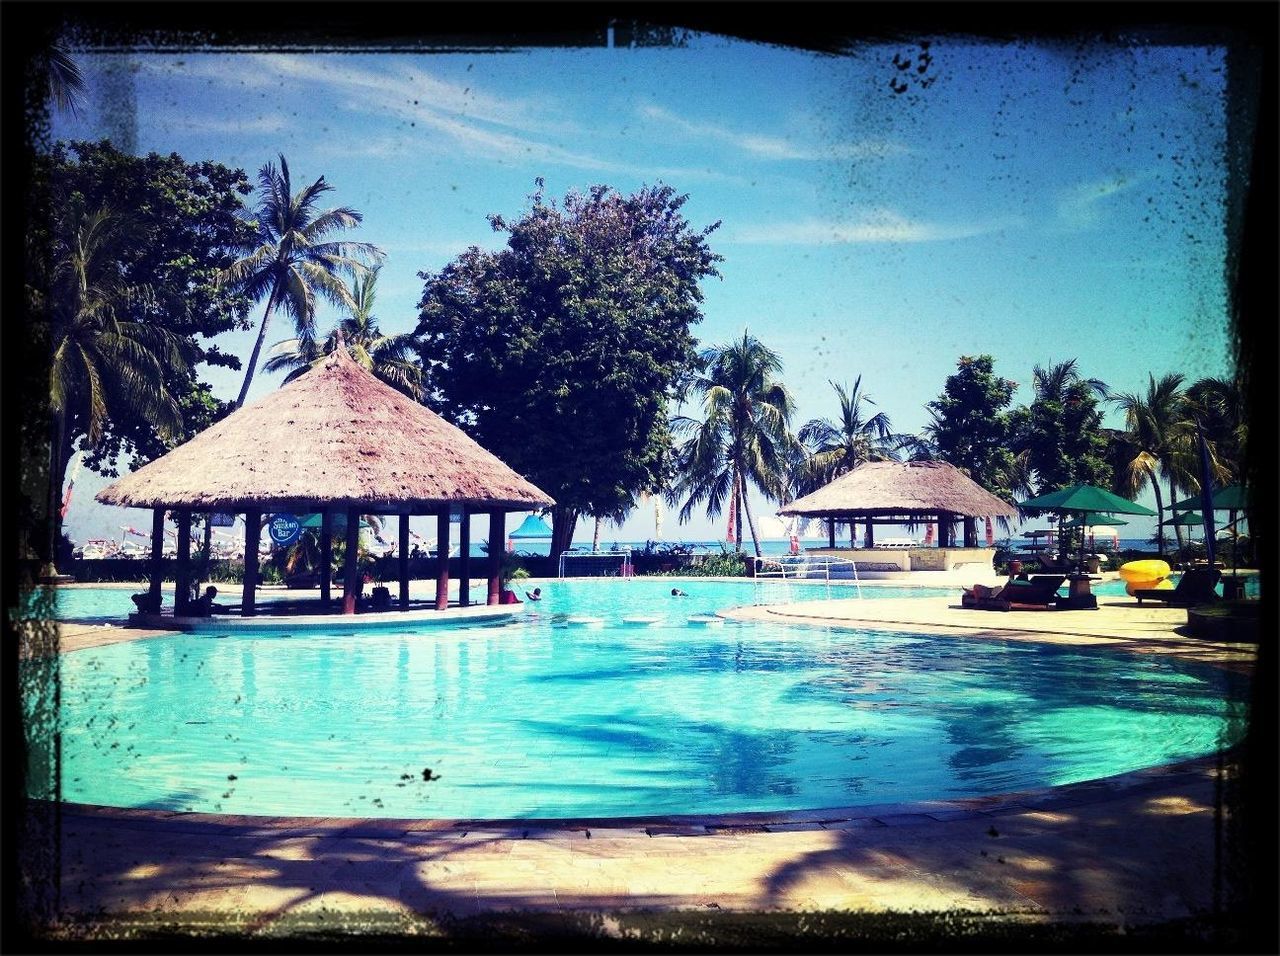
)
(1248, 29)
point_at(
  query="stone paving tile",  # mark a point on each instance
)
(904, 819)
(615, 833)
(949, 815)
(864, 823)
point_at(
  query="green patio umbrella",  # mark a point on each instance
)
(1232, 499)
(1188, 519)
(1097, 521)
(1084, 500)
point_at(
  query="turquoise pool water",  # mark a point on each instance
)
(540, 718)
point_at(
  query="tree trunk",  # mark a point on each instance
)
(595, 536)
(563, 522)
(58, 460)
(206, 558)
(1177, 528)
(742, 497)
(257, 349)
(1155, 486)
(737, 510)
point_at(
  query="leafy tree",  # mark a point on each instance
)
(971, 429)
(290, 262)
(743, 435)
(1218, 405)
(390, 357)
(104, 366)
(183, 225)
(1060, 433)
(561, 351)
(145, 303)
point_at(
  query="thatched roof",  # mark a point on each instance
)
(882, 488)
(335, 436)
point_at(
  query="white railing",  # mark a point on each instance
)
(794, 568)
(596, 564)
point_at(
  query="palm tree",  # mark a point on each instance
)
(66, 83)
(743, 437)
(102, 365)
(387, 356)
(1051, 382)
(1218, 405)
(1154, 443)
(835, 448)
(291, 263)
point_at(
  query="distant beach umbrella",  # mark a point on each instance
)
(928, 534)
(991, 536)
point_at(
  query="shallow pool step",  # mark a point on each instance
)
(706, 620)
(584, 620)
(641, 620)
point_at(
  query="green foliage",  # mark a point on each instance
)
(389, 357)
(1063, 440)
(182, 225)
(288, 260)
(971, 428)
(742, 437)
(837, 447)
(560, 352)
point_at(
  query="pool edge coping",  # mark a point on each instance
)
(874, 815)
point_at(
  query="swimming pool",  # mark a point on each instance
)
(541, 718)
(638, 595)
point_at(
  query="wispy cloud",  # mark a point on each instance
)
(467, 120)
(774, 147)
(873, 226)
(231, 126)
(1082, 206)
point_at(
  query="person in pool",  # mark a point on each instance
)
(534, 595)
(676, 592)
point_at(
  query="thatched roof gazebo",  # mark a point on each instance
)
(336, 438)
(902, 492)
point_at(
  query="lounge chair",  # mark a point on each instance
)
(1196, 586)
(1039, 594)
(1054, 566)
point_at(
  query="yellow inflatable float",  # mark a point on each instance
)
(1146, 574)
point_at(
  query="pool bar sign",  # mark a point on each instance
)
(284, 529)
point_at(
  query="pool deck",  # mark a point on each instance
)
(1137, 849)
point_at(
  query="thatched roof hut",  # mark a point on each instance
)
(335, 436)
(334, 439)
(906, 489)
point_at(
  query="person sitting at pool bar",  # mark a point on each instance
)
(204, 606)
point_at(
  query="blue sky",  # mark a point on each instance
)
(1031, 201)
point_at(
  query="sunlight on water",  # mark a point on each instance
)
(536, 718)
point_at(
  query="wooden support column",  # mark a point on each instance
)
(326, 555)
(155, 591)
(404, 562)
(869, 539)
(464, 550)
(252, 535)
(182, 578)
(970, 532)
(442, 559)
(497, 550)
(351, 568)
(831, 533)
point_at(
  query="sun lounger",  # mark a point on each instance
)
(1054, 566)
(1195, 587)
(1017, 595)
